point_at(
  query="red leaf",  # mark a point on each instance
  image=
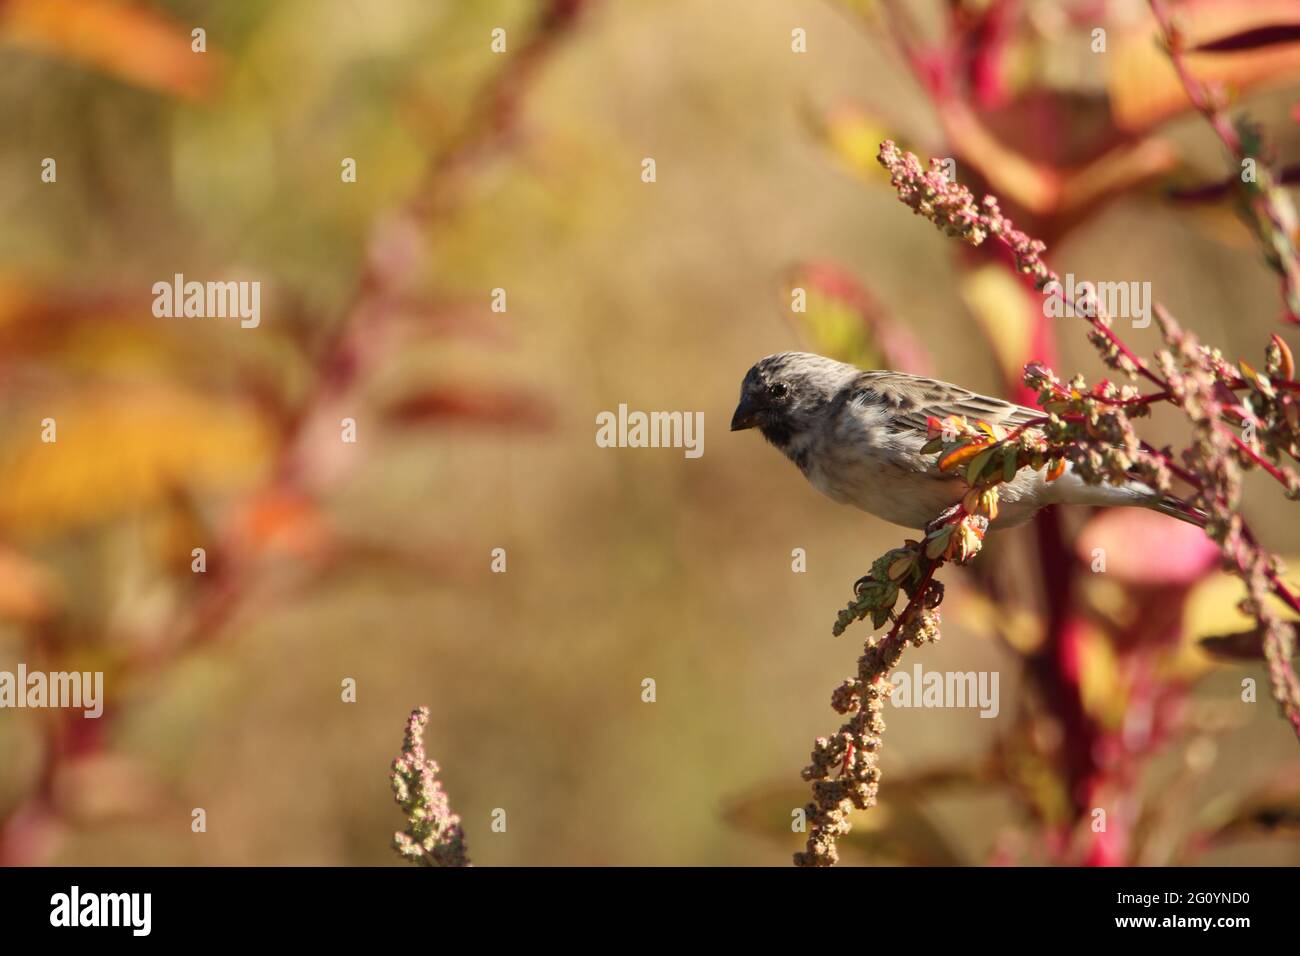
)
(1253, 39)
(471, 406)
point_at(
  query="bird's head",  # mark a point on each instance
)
(783, 394)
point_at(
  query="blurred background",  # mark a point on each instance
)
(522, 171)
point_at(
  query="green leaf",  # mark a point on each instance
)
(1009, 468)
(977, 465)
(938, 541)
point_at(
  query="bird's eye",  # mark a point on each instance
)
(777, 390)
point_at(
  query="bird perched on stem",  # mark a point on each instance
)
(858, 436)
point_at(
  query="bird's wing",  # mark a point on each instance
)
(913, 400)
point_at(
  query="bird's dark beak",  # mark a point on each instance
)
(745, 416)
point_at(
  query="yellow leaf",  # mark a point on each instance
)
(960, 454)
(854, 138)
(125, 41)
(1211, 609)
(838, 331)
(1286, 360)
(1004, 308)
(1144, 88)
(117, 449)
(1101, 685)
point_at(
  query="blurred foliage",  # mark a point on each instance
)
(478, 171)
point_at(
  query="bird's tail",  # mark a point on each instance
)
(1177, 508)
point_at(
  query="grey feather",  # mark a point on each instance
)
(857, 437)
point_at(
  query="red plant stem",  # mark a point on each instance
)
(921, 590)
(1255, 457)
(1054, 666)
(1264, 205)
(1286, 176)
(1283, 593)
(1286, 384)
(933, 70)
(1193, 87)
(1139, 362)
(1280, 589)
(340, 364)
(1051, 667)
(1098, 319)
(1173, 466)
(1246, 450)
(1129, 402)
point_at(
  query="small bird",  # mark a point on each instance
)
(857, 437)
